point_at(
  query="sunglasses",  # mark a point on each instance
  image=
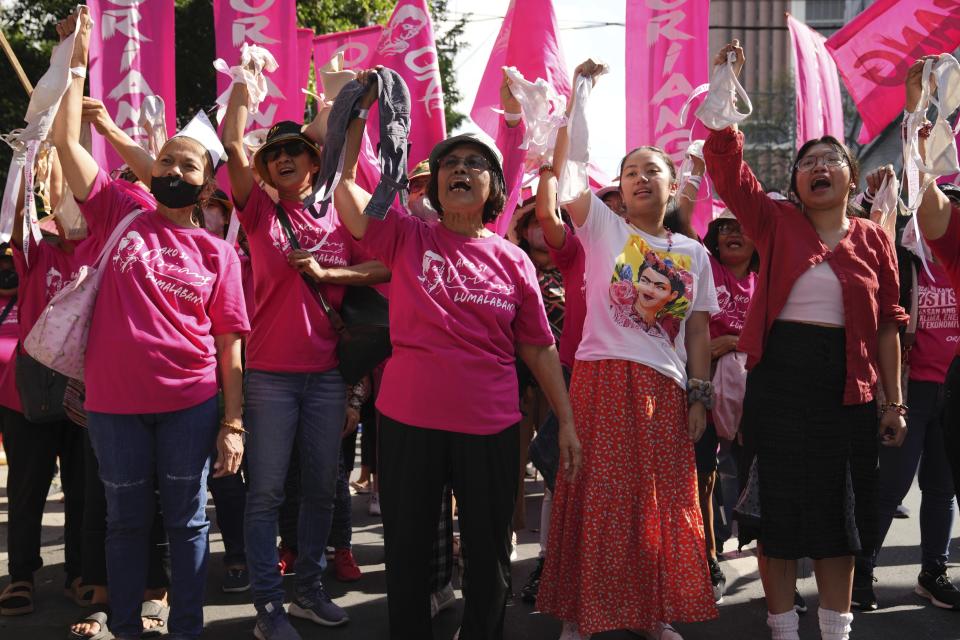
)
(728, 227)
(292, 148)
(472, 162)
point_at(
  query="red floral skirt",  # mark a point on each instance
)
(626, 547)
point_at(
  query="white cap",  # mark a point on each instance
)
(200, 130)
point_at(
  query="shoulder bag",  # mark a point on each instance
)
(58, 340)
(362, 324)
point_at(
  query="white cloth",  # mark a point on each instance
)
(573, 178)
(543, 112)
(622, 290)
(153, 119)
(254, 61)
(816, 296)
(719, 109)
(884, 208)
(201, 130)
(44, 102)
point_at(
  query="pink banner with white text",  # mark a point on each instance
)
(668, 55)
(131, 57)
(408, 47)
(358, 47)
(530, 41)
(875, 49)
(819, 109)
(273, 26)
(304, 55)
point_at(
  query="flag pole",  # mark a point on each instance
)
(16, 64)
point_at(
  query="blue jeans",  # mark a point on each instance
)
(282, 409)
(923, 446)
(171, 451)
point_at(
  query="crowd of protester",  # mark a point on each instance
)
(790, 338)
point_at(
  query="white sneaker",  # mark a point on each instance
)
(374, 507)
(442, 599)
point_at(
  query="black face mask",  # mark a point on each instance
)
(9, 279)
(173, 192)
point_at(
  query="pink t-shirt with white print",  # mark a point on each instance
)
(9, 334)
(458, 308)
(165, 292)
(291, 332)
(938, 330)
(733, 296)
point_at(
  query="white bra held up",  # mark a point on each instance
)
(719, 110)
(941, 144)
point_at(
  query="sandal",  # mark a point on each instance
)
(81, 594)
(97, 617)
(156, 611)
(17, 599)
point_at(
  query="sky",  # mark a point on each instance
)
(607, 103)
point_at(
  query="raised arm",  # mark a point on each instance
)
(579, 207)
(546, 211)
(350, 198)
(238, 166)
(933, 214)
(80, 170)
(687, 199)
(136, 157)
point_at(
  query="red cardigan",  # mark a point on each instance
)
(864, 262)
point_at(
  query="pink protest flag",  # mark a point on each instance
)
(668, 55)
(358, 47)
(269, 25)
(407, 46)
(131, 57)
(819, 109)
(304, 54)
(875, 49)
(530, 41)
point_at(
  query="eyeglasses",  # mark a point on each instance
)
(830, 160)
(293, 149)
(727, 227)
(472, 162)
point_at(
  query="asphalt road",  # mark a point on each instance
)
(904, 616)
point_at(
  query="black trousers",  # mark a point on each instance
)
(415, 466)
(32, 452)
(950, 419)
(95, 530)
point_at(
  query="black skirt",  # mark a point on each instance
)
(816, 457)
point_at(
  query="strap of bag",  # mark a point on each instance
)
(332, 314)
(7, 309)
(115, 236)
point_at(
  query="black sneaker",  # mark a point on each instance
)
(717, 579)
(528, 593)
(799, 604)
(937, 588)
(863, 598)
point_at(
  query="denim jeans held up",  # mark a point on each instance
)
(282, 409)
(172, 452)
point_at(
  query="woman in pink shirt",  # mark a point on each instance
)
(295, 395)
(165, 335)
(464, 305)
(822, 332)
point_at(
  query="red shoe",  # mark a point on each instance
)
(288, 559)
(346, 567)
